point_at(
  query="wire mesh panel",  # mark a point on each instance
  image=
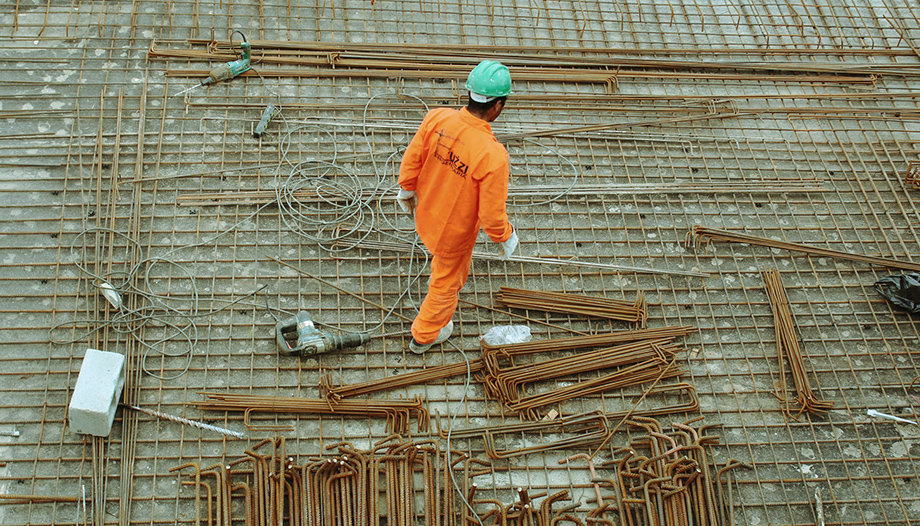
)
(635, 131)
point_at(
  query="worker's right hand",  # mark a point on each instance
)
(509, 246)
(406, 200)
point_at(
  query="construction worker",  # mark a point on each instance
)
(457, 172)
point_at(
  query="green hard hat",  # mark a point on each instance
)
(489, 79)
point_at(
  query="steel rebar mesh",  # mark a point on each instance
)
(96, 140)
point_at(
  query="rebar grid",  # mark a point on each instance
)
(98, 141)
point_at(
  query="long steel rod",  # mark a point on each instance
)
(260, 197)
(417, 59)
(574, 50)
(408, 248)
(186, 421)
(701, 236)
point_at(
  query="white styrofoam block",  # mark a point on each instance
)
(96, 395)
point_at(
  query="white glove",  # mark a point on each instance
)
(406, 200)
(510, 245)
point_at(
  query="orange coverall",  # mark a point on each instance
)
(459, 172)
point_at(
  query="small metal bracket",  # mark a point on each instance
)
(912, 177)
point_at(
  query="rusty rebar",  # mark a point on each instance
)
(397, 413)
(428, 375)
(664, 479)
(579, 304)
(789, 351)
(506, 383)
(632, 364)
(343, 489)
(700, 237)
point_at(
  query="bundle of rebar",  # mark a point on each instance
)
(335, 392)
(700, 237)
(687, 393)
(508, 383)
(640, 373)
(353, 487)
(665, 479)
(578, 304)
(643, 360)
(428, 375)
(527, 64)
(397, 413)
(789, 350)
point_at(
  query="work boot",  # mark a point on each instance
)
(443, 335)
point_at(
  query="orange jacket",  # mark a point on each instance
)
(460, 173)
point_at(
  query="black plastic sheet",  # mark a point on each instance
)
(903, 290)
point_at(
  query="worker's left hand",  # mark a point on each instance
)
(509, 246)
(406, 200)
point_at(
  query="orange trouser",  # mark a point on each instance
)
(448, 275)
